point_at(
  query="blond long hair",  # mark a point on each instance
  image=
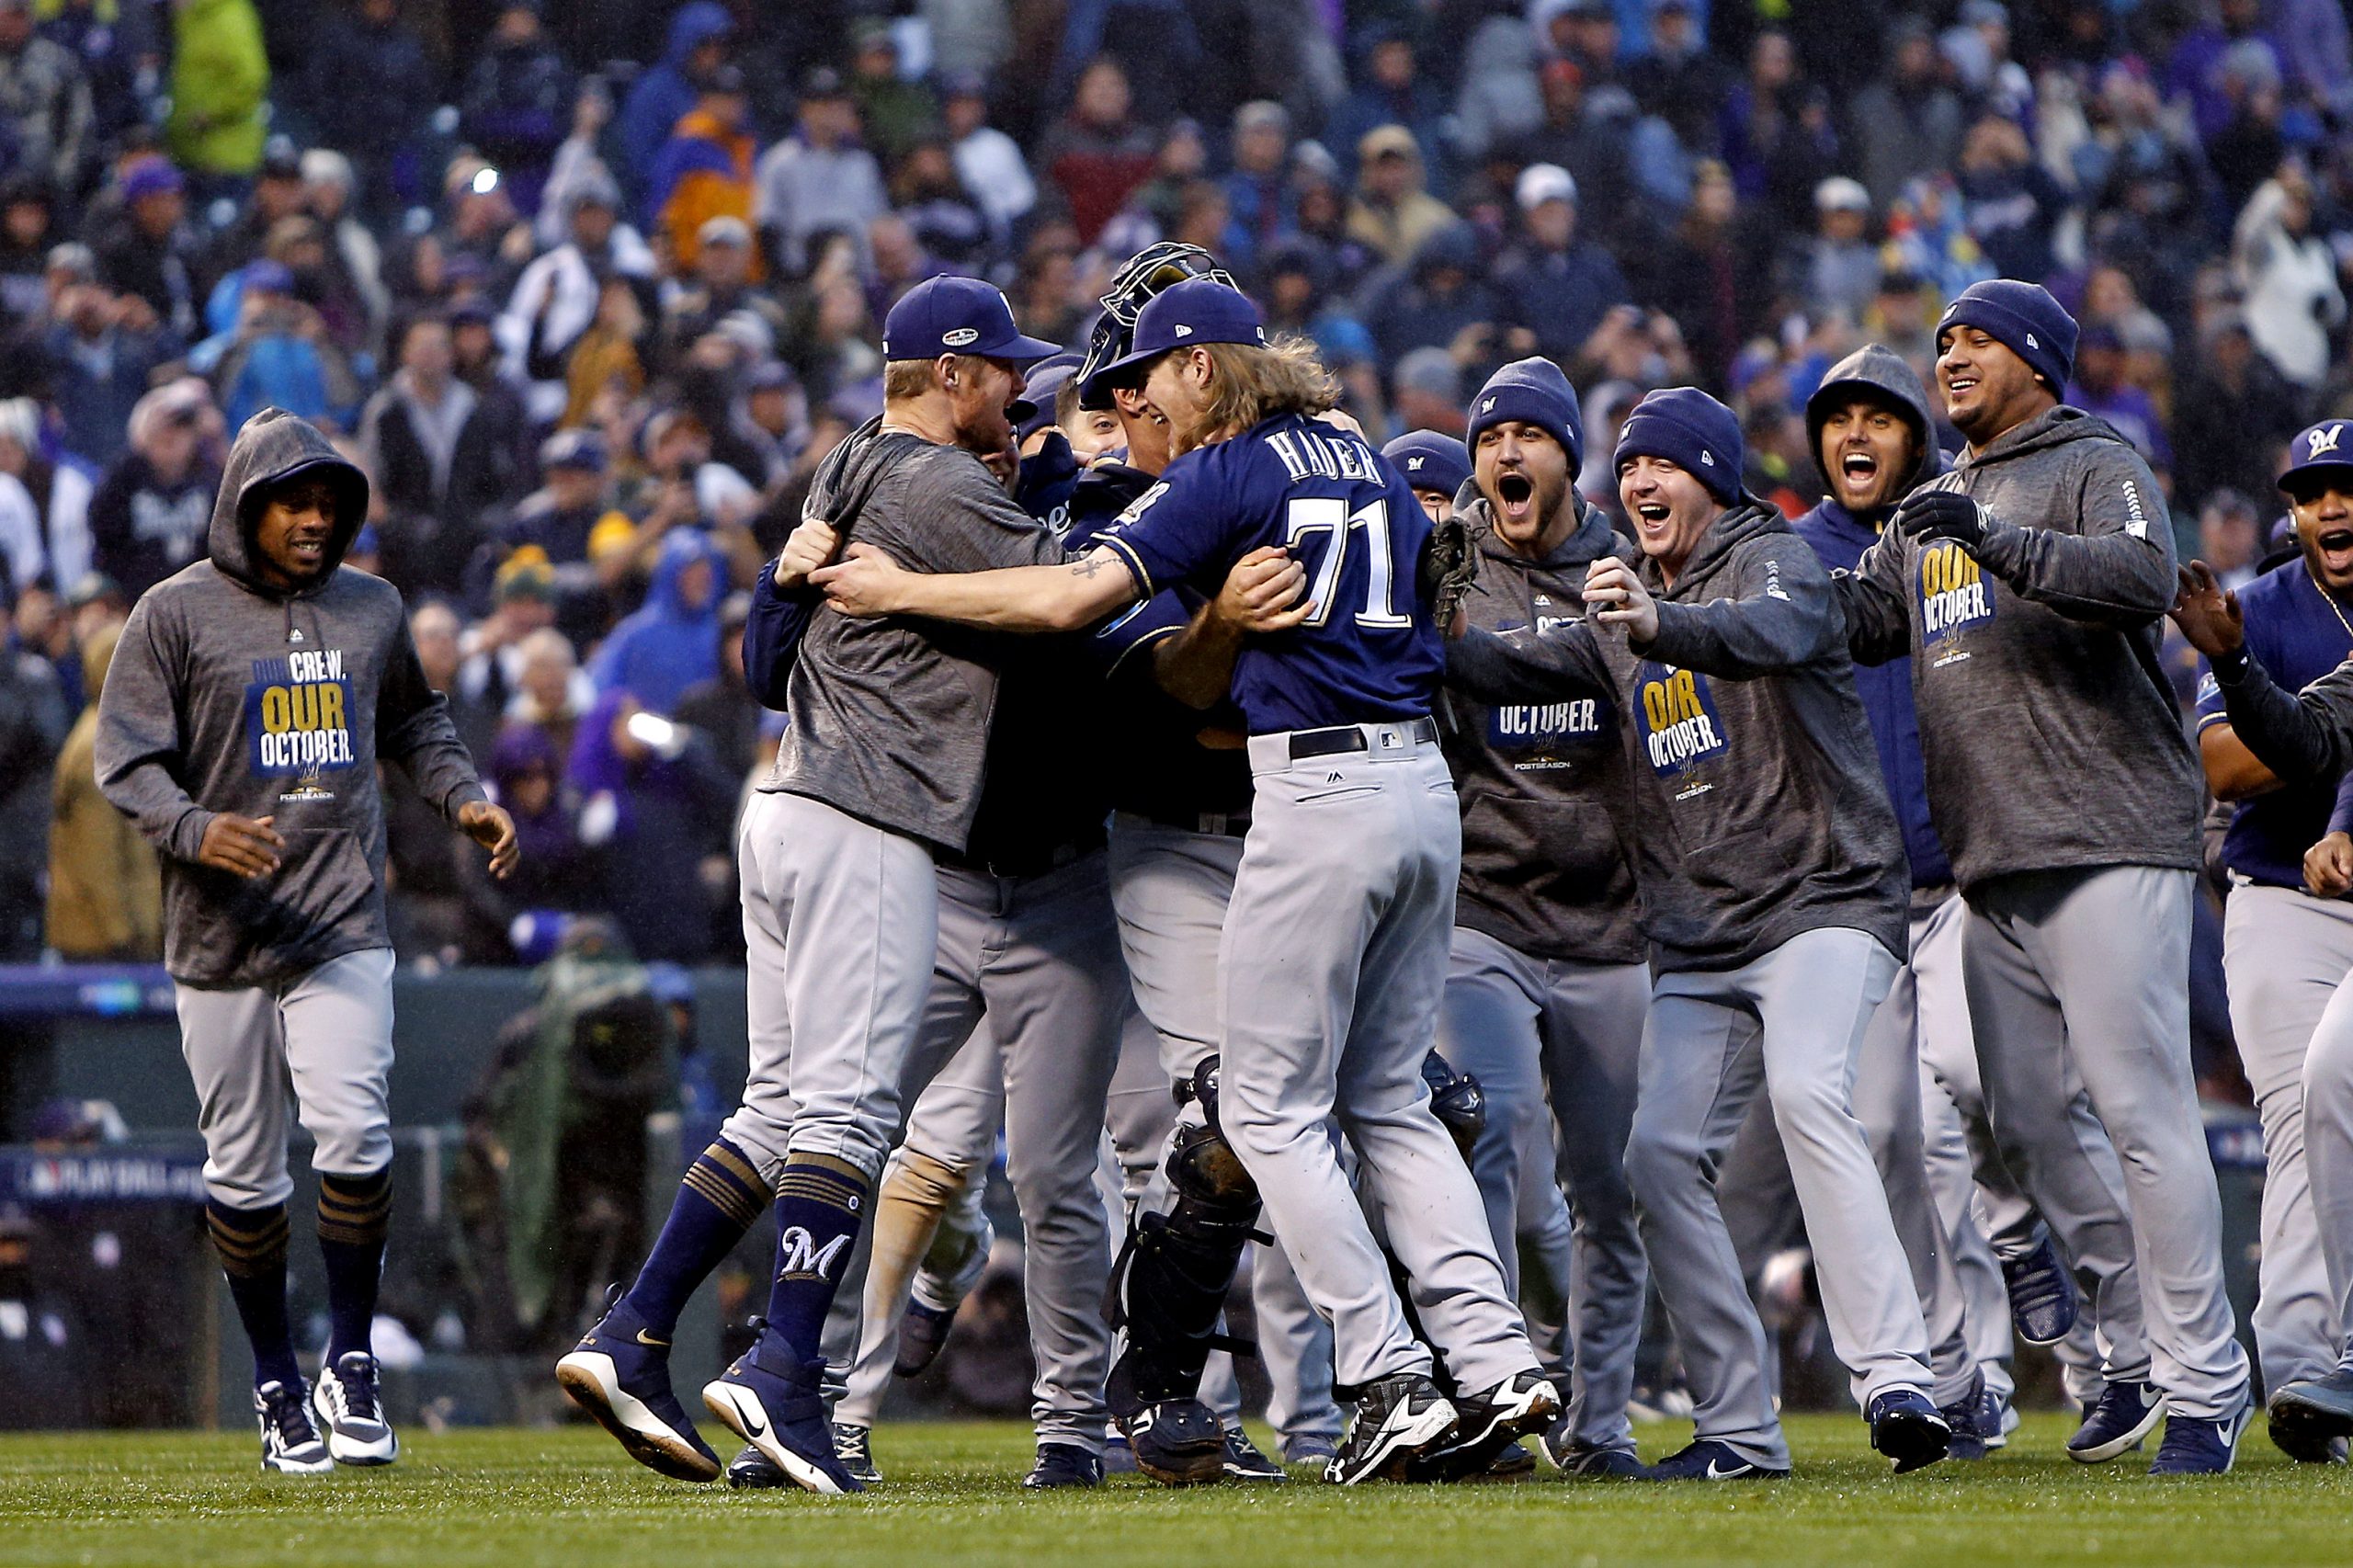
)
(1251, 383)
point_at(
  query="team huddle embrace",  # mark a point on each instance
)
(1409, 872)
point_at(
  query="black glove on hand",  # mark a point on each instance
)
(1943, 514)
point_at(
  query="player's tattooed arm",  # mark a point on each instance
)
(865, 583)
(1265, 591)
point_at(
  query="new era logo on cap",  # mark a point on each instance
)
(1184, 330)
(1707, 457)
(2031, 343)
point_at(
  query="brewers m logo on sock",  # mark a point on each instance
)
(1952, 598)
(297, 724)
(797, 1256)
(1535, 737)
(1681, 730)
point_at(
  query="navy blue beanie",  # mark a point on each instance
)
(1692, 430)
(2022, 318)
(1533, 392)
(1429, 460)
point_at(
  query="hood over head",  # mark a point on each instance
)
(681, 549)
(1884, 375)
(274, 447)
(693, 27)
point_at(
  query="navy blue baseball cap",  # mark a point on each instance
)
(1429, 460)
(1199, 310)
(958, 315)
(2321, 448)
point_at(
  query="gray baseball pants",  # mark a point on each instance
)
(2285, 954)
(1330, 979)
(323, 1040)
(2328, 1150)
(1792, 1022)
(2045, 967)
(1547, 1039)
(1172, 889)
(1986, 1212)
(841, 926)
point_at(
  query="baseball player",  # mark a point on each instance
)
(2025, 586)
(2284, 951)
(1774, 915)
(1332, 957)
(2295, 740)
(1028, 935)
(251, 697)
(1874, 439)
(1547, 984)
(879, 767)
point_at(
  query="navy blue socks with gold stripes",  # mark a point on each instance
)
(354, 1214)
(719, 1198)
(252, 1243)
(820, 1203)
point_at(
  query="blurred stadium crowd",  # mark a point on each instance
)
(590, 289)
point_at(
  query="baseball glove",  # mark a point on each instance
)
(1449, 565)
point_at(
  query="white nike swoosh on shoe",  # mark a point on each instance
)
(1732, 1474)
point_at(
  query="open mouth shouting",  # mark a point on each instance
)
(1653, 518)
(2335, 547)
(1515, 497)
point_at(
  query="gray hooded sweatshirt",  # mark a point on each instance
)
(227, 695)
(890, 718)
(2048, 729)
(1758, 813)
(1545, 866)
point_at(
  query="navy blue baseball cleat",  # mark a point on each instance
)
(1489, 1426)
(1975, 1419)
(2200, 1445)
(348, 1405)
(1177, 1442)
(780, 1411)
(923, 1335)
(1062, 1465)
(620, 1374)
(1582, 1460)
(2043, 1297)
(1708, 1459)
(1397, 1420)
(2312, 1418)
(290, 1445)
(2119, 1420)
(1245, 1462)
(778, 1407)
(1908, 1429)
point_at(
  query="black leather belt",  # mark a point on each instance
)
(1015, 867)
(1350, 737)
(1221, 825)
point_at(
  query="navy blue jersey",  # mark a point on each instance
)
(2292, 629)
(1369, 653)
(1160, 758)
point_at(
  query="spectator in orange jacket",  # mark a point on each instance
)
(705, 169)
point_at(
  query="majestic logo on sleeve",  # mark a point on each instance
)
(1681, 729)
(1953, 598)
(298, 722)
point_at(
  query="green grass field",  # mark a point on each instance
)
(514, 1498)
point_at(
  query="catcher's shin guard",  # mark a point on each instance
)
(1167, 1288)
